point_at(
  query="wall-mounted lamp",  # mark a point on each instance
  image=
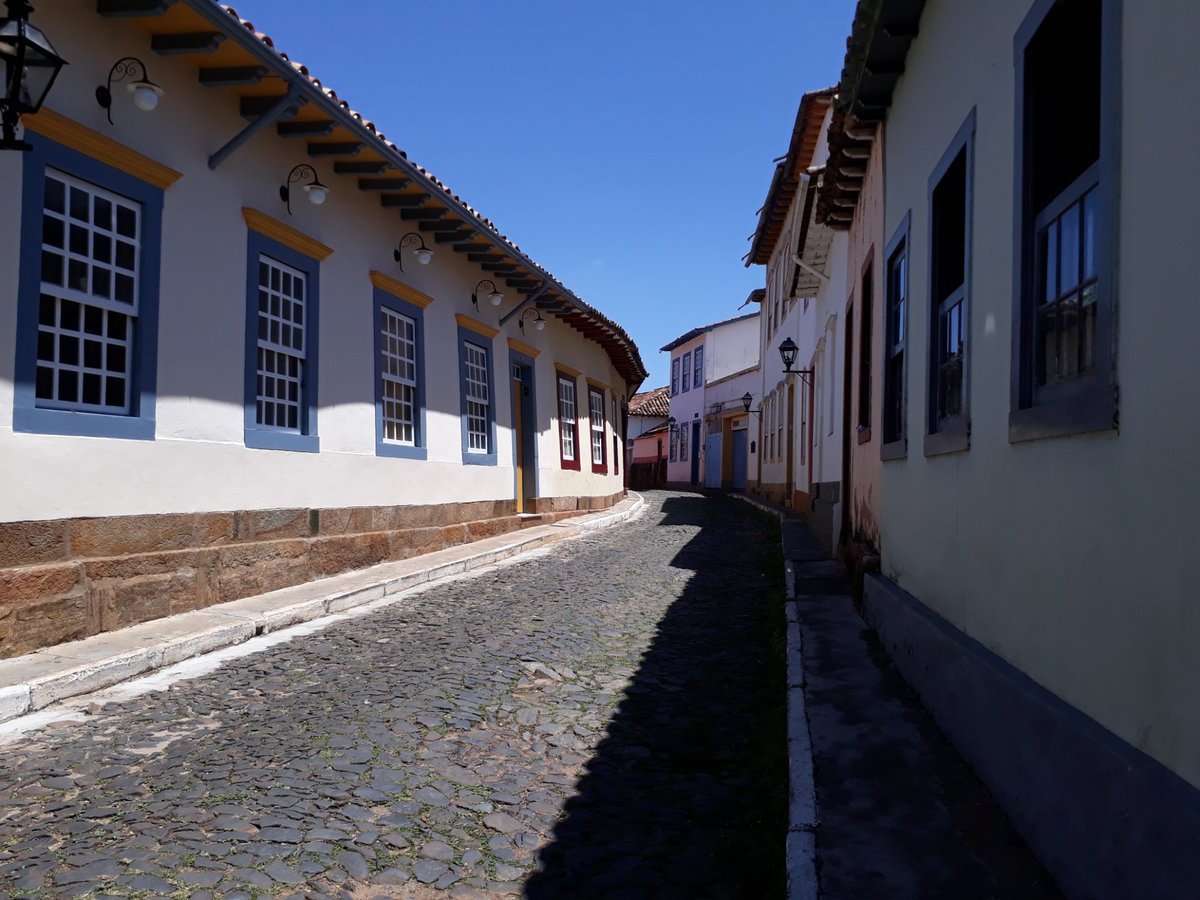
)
(145, 92)
(414, 242)
(316, 191)
(788, 351)
(746, 401)
(494, 294)
(539, 323)
(28, 65)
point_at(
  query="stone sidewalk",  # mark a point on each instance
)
(898, 812)
(601, 718)
(36, 680)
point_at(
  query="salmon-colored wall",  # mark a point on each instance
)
(866, 244)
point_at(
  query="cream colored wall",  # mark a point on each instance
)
(198, 461)
(1071, 558)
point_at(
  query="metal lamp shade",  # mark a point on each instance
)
(30, 66)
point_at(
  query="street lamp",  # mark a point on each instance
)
(788, 351)
(746, 401)
(145, 92)
(316, 191)
(414, 242)
(28, 65)
(493, 293)
(539, 323)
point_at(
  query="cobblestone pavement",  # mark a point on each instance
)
(605, 719)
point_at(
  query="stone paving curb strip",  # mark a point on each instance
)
(801, 849)
(36, 680)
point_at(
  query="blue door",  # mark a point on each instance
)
(739, 460)
(695, 453)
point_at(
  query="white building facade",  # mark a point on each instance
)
(272, 391)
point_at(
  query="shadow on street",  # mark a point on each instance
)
(686, 796)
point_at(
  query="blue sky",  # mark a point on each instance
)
(625, 146)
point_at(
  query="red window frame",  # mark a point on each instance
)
(567, 463)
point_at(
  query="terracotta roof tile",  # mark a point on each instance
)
(651, 403)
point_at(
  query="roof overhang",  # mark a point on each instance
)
(278, 93)
(876, 51)
(811, 255)
(773, 216)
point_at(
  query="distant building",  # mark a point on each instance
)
(712, 353)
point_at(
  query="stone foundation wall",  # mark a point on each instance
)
(66, 579)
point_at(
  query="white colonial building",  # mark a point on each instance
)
(211, 388)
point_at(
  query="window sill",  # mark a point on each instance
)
(571, 464)
(400, 451)
(265, 439)
(1087, 411)
(942, 442)
(478, 459)
(894, 450)
(864, 435)
(82, 424)
(600, 470)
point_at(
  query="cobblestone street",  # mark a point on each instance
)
(603, 719)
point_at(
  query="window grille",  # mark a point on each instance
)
(87, 310)
(398, 371)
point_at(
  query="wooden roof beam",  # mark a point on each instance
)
(362, 167)
(225, 76)
(183, 44)
(118, 8)
(311, 128)
(334, 148)
(422, 213)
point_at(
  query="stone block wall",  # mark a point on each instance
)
(66, 579)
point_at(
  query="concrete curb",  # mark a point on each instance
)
(801, 849)
(36, 680)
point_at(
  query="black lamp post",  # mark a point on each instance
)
(28, 65)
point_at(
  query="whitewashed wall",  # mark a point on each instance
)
(198, 461)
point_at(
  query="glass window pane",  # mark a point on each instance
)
(1068, 262)
(1090, 203)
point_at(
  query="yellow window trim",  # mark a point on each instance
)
(400, 289)
(522, 347)
(102, 148)
(475, 325)
(567, 370)
(598, 385)
(285, 234)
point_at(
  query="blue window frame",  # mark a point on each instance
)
(477, 391)
(87, 315)
(282, 291)
(687, 372)
(399, 378)
(675, 376)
